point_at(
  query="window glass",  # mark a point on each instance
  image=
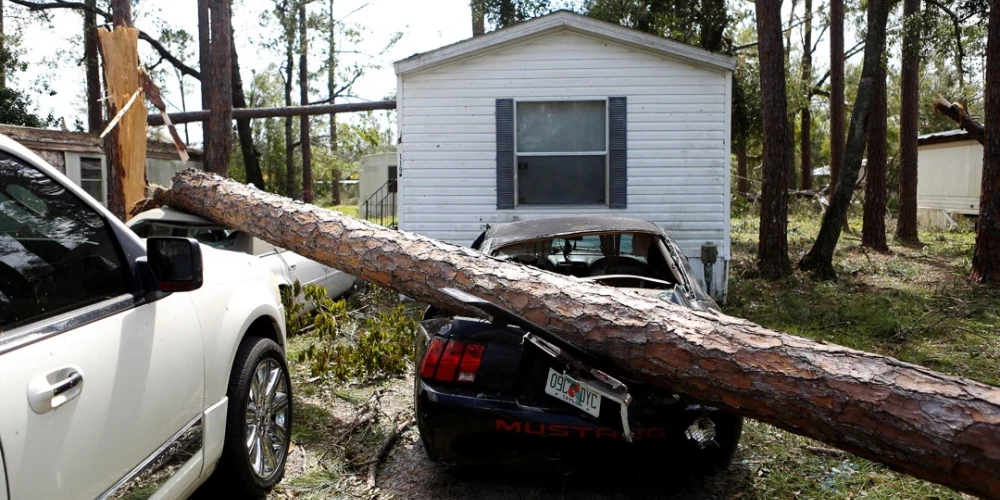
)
(561, 127)
(561, 180)
(92, 177)
(215, 237)
(56, 253)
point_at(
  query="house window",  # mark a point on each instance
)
(92, 177)
(561, 151)
(90, 173)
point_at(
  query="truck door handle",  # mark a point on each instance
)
(52, 390)
(292, 266)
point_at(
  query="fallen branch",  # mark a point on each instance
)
(830, 452)
(929, 425)
(957, 112)
(383, 451)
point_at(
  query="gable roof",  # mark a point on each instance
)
(565, 20)
(945, 137)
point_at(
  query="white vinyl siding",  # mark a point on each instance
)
(950, 176)
(678, 136)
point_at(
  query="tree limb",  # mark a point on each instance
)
(957, 112)
(154, 43)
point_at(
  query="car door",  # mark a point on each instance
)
(95, 376)
(306, 271)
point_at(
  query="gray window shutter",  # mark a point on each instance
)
(617, 152)
(505, 153)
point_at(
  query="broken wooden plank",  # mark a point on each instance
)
(929, 425)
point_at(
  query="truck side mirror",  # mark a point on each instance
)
(175, 262)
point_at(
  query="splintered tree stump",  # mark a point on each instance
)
(929, 425)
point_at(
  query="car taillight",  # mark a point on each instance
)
(451, 361)
(431, 357)
(469, 366)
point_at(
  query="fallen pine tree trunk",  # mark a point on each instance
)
(929, 425)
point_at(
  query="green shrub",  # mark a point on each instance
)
(366, 336)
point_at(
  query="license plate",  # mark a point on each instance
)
(572, 391)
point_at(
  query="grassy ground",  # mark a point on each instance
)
(912, 303)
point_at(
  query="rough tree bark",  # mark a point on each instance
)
(986, 255)
(837, 112)
(772, 251)
(95, 113)
(220, 122)
(307, 180)
(933, 426)
(205, 65)
(331, 85)
(789, 142)
(478, 18)
(805, 128)
(873, 228)
(906, 223)
(289, 20)
(957, 112)
(820, 258)
(244, 130)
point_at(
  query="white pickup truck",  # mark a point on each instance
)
(128, 367)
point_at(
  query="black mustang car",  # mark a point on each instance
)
(508, 392)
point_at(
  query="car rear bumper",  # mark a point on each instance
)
(467, 429)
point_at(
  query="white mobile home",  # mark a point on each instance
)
(949, 176)
(567, 115)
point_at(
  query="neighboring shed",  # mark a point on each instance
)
(80, 156)
(376, 173)
(567, 115)
(949, 176)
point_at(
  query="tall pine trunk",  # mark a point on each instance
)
(244, 130)
(820, 257)
(789, 142)
(873, 229)
(289, 71)
(906, 223)
(95, 113)
(331, 85)
(307, 191)
(478, 18)
(837, 112)
(986, 255)
(805, 128)
(772, 251)
(220, 122)
(205, 65)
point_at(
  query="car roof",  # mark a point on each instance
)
(167, 214)
(554, 227)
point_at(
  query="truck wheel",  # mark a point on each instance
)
(259, 419)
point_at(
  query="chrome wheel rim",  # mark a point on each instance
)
(267, 418)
